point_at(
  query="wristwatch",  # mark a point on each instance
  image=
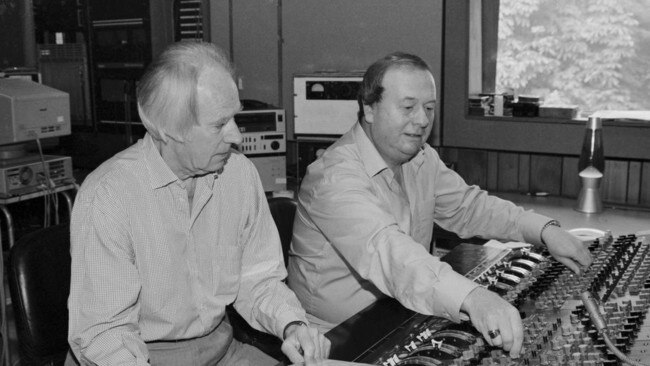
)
(295, 322)
(550, 223)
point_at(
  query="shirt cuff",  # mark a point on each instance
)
(531, 225)
(451, 292)
(284, 319)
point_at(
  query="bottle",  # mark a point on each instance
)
(592, 146)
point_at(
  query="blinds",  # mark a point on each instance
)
(189, 19)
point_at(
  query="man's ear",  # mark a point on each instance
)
(162, 136)
(368, 113)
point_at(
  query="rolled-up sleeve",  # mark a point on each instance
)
(470, 211)
(103, 306)
(264, 300)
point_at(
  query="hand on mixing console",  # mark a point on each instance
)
(566, 248)
(497, 320)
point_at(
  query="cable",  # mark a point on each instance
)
(618, 353)
(55, 200)
(592, 308)
(49, 186)
(599, 322)
(46, 210)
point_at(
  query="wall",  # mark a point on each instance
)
(17, 40)
(272, 40)
(625, 182)
(250, 31)
(344, 35)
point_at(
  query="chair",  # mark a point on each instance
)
(39, 283)
(283, 211)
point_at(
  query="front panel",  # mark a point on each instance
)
(325, 104)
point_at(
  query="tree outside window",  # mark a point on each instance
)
(593, 54)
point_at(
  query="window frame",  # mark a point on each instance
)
(627, 140)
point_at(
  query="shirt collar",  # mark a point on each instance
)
(159, 173)
(373, 162)
(418, 159)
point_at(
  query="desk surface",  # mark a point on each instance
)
(618, 220)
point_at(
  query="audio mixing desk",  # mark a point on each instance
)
(558, 329)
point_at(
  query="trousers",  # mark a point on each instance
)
(217, 348)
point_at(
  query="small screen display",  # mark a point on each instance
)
(332, 90)
(255, 122)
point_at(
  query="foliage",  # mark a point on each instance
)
(592, 53)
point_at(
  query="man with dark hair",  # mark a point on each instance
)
(367, 208)
(169, 231)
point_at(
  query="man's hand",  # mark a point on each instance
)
(490, 313)
(566, 248)
(305, 345)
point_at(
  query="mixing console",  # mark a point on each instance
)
(557, 327)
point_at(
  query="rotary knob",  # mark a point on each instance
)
(26, 174)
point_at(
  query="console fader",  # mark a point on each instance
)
(557, 328)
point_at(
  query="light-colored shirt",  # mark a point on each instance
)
(362, 232)
(146, 267)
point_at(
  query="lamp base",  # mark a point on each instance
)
(589, 201)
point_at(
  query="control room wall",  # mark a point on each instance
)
(17, 34)
(250, 31)
(346, 35)
(271, 40)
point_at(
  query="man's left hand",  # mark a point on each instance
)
(305, 344)
(566, 248)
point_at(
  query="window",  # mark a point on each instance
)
(592, 54)
(470, 51)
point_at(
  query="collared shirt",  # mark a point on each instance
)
(147, 267)
(361, 232)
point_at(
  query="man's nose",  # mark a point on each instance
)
(232, 134)
(423, 117)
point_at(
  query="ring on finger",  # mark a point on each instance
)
(494, 333)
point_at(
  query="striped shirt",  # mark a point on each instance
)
(146, 267)
(362, 233)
